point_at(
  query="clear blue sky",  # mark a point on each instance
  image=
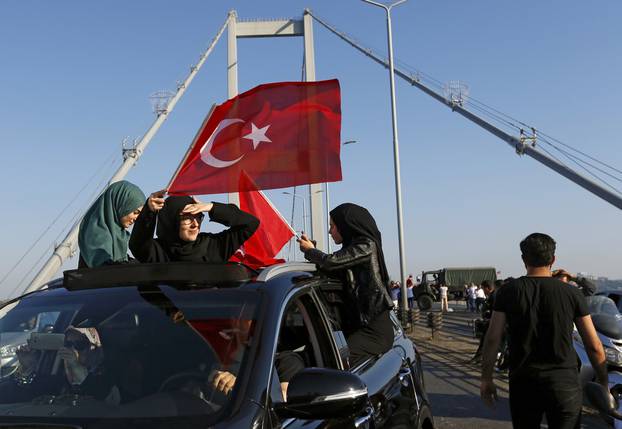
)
(76, 77)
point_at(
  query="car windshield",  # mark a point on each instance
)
(124, 352)
(602, 305)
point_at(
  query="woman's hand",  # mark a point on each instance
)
(156, 201)
(224, 381)
(305, 243)
(70, 356)
(197, 207)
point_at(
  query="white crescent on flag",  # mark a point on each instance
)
(206, 150)
(257, 135)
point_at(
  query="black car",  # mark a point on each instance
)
(615, 295)
(151, 338)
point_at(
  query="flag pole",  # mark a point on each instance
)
(265, 197)
(194, 142)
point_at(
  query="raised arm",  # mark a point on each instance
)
(142, 244)
(488, 390)
(344, 258)
(241, 226)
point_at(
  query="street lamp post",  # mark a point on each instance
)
(396, 152)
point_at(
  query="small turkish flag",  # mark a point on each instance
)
(281, 134)
(273, 232)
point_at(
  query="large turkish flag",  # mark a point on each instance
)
(280, 134)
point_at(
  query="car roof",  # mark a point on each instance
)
(277, 279)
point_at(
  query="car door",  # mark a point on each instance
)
(304, 318)
(389, 378)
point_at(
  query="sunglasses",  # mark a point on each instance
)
(188, 218)
(79, 345)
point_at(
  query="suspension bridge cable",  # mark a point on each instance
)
(491, 112)
(98, 189)
(47, 229)
(578, 151)
(32, 268)
(580, 162)
(583, 161)
(571, 158)
(497, 115)
(555, 158)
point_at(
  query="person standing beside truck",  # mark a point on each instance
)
(471, 297)
(540, 311)
(443, 292)
(410, 294)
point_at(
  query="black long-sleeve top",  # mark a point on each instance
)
(370, 294)
(208, 247)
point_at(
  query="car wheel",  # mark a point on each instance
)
(424, 302)
(425, 419)
(405, 419)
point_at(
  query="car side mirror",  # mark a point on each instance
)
(324, 393)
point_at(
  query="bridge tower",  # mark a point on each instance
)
(240, 29)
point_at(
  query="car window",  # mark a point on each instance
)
(599, 304)
(304, 340)
(118, 351)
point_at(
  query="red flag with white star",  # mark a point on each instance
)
(280, 134)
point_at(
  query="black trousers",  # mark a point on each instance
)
(554, 393)
(372, 340)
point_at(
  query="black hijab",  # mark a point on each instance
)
(168, 232)
(354, 221)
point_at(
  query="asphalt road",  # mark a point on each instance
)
(452, 381)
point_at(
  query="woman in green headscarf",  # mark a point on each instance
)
(103, 234)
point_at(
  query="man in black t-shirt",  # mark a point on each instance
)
(540, 311)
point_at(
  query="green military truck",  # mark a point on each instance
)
(454, 278)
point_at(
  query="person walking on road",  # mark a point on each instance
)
(480, 298)
(394, 289)
(410, 284)
(471, 297)
(540, 311)
(443, 292)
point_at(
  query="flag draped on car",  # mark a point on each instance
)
(281, 134)
(273, 232)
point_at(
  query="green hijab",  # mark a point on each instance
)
(102, 239)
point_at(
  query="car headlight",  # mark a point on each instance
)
(614, 356)
(8, 351)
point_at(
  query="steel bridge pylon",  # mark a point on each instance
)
(240, 29)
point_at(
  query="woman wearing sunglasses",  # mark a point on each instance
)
(83, 362)
(83, 372)
(179, 236)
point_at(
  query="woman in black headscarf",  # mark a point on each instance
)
(361, 252)
(178, 227)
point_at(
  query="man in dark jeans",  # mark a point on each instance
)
(540, 311)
